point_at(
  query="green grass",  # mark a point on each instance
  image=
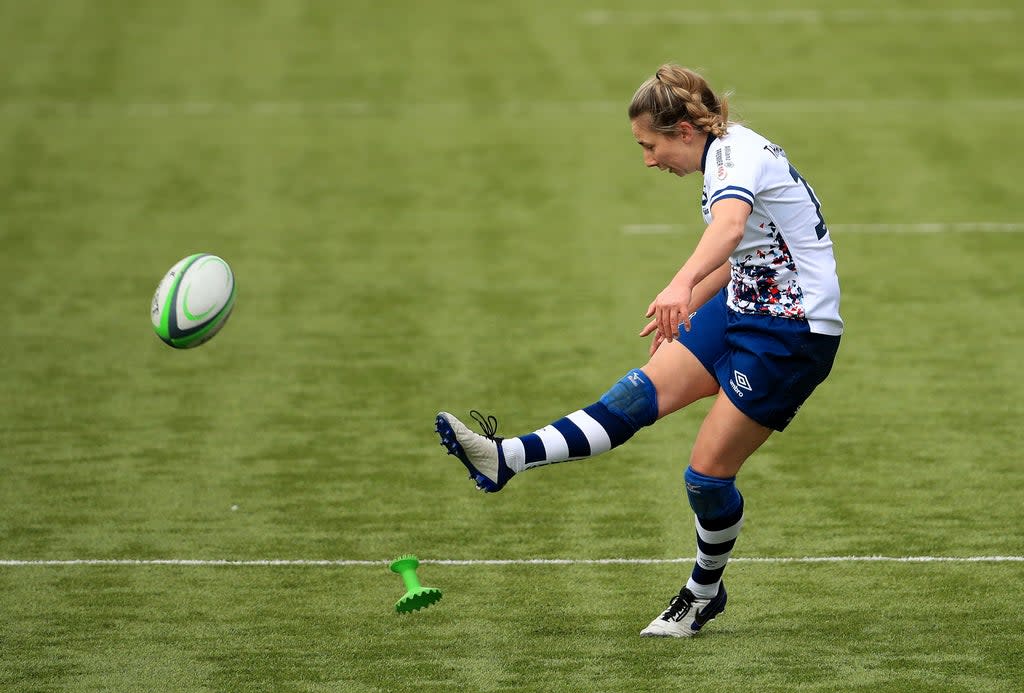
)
(325, 630)
(424, 206)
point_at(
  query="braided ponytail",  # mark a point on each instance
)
(676, 93)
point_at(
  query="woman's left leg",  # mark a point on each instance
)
(725, 440)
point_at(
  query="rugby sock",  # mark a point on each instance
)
(628, 406)
(718, 507)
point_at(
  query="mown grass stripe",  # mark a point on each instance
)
(799, 16)
(365, 109)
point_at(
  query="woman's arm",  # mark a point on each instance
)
(701, 294)
(687, 290)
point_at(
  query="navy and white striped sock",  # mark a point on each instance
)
(627, 407)
(718, 508)
(715, 539)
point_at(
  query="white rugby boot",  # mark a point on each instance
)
(481, 454)
(686, 615)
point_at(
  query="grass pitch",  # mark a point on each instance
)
(439, 206)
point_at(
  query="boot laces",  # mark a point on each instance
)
(488, 424)
(678, 606)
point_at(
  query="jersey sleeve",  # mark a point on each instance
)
(734, 172)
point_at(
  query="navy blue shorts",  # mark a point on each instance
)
(767, 366)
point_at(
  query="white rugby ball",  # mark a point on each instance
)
(193, 301)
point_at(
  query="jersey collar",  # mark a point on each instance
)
(707, 146)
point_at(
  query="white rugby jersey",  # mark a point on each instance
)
(784, 265)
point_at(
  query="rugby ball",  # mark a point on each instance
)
(193, 301)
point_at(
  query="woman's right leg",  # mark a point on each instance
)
(672, 379)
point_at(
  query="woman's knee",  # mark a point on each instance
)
(678, 378)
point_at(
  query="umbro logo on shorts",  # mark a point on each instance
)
(739, 382)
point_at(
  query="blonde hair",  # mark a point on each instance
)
(677, 93)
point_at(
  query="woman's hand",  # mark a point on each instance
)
(668, 310)
(658, 339)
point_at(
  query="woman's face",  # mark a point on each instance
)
(679, 153)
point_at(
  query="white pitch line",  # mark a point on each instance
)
(847, 16)
(736, 559)
(937, 227)
(651, 228)
(496, 562)
(927, 227)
